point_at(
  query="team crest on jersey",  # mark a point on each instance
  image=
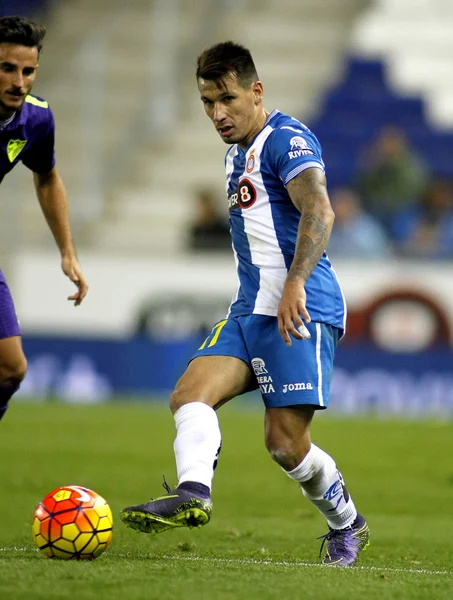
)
(250, 162)
(14, 148)
(299, 147)
(259, 366)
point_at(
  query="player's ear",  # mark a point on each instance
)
(258, 92)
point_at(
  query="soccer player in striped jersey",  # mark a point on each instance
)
(285, 319)
(27, 134)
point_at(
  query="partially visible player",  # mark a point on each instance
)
(27, 134)
(285, 319)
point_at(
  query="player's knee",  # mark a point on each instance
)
(287, 454)
(13, 372)
(284, 457)
(178, 398)
(184, 394)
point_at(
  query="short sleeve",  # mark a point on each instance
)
(40, 156)
(292, 150)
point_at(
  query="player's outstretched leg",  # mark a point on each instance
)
(323, 485)
(188, 505)
(197, 446)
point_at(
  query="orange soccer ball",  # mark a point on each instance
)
(72, 522)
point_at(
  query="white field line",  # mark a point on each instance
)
(281, 563)
(276, 563)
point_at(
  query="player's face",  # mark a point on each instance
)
(237, 112)
(18, 66)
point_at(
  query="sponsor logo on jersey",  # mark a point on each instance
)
(14, 148)
(250, 162)
(266, 388)
(296, 387)
(259, 366)
(262, 376)
(299, 147)
(298, 142)
(244, 196)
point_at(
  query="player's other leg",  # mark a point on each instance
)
(300, 377)
(208, 382)
(13, 364)
(288, 441)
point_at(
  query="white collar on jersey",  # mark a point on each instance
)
(3, 124)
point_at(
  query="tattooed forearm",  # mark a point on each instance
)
(312, 240)
(309, 194)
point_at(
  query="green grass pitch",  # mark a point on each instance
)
(261, 542)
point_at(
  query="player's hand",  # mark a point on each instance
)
(292, 312)
(71, 269)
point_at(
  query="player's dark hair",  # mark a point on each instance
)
(19, 30)
(227, 58)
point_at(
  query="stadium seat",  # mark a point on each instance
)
(22, 7)
(362, 104)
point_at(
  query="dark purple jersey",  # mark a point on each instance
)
(29, 138)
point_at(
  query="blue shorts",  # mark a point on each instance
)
(286, 376)
(9, 325)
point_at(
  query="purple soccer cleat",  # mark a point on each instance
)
(184, 506)
(344, 545)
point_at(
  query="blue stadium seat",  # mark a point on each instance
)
(25, 8)
(364, 77)
(354, 112)
(360, 69)
(437, 150)
(379, 110)
(340, 170)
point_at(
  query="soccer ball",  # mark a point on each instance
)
(72, 522)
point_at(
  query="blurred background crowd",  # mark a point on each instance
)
(138, 157)
(144, 170)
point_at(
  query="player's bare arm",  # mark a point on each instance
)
(308, 193)
(54, 204)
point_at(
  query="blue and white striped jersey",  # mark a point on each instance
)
(264, 221)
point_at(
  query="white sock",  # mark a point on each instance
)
(197, 442)
(322, 484)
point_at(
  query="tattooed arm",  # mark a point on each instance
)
(309, 195)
